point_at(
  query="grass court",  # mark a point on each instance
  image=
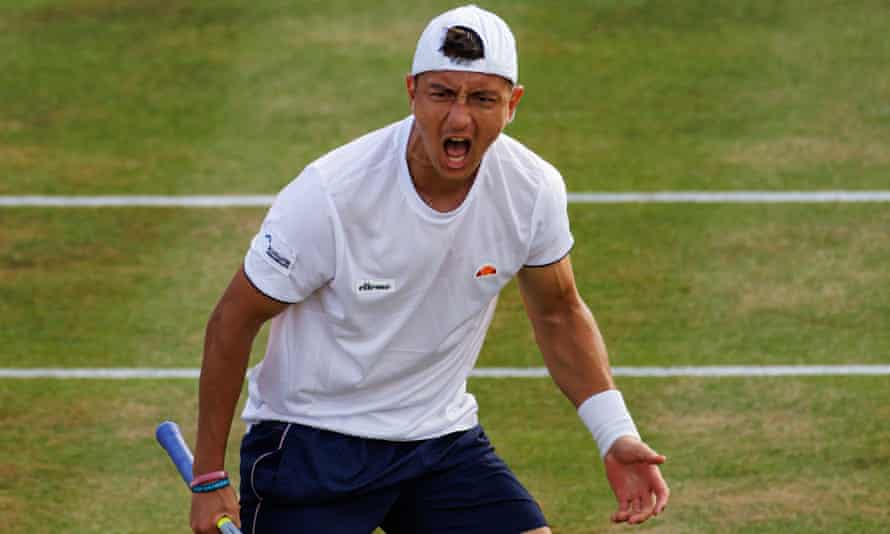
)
(102, 97)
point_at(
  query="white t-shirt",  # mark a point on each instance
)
(392, 298)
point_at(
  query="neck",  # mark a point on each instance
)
(443, 199)
(441, 194)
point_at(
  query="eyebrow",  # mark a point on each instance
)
(440, 87)
(435, 86)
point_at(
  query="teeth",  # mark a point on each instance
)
(457, 160)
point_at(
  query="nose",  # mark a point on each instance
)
(459, 115)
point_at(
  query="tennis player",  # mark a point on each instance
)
(379, 268)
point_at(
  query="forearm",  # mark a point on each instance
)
(574, 351)
(576, 356)
(227, 347)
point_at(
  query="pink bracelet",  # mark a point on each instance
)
(208, 477)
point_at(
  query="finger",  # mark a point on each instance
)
(662, 494)
(631, 450)
(644, 510)
(656, 459)
(641, 517)
(231, 499)
(623, 513)
(204, 526)
(645, 455)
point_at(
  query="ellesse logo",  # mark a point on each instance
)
(486, 270)
(364, 287)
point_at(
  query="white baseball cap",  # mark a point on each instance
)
(499, 45)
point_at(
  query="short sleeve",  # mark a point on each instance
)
(551, 237)
(294, 253)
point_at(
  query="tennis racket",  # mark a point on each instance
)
(170, 438)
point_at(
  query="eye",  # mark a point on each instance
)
(441, 95)
(485, 99)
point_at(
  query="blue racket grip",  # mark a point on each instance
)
(170, 438)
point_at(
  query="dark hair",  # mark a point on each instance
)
(462, 44)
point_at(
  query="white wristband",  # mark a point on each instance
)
(607, 418)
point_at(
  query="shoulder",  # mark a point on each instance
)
(537, 186)
(350, 182)
(521, 160)
(369, 154)
(523, 171)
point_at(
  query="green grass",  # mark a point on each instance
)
(115, 287)
(224, 97)
(761, 284)
(758, 455)
(104, 96)
(669, 285)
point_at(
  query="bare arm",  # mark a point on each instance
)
(232, 327)
(575, 354)
(565, 330)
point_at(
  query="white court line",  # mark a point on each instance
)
(199, 201)
(744, 197)
(114, 373)
(497, 372)
(675, 197)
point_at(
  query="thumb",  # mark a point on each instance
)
(629, 450)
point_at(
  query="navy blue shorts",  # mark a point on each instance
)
(298, 479)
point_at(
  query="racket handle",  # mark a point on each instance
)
(170, 438)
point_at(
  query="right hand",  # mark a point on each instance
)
(208, 508)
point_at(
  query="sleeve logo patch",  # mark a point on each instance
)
(486, 270)
(276, 256)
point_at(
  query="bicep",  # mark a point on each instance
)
(548, 290)
(242, 300)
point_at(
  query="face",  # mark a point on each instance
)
(458, 115)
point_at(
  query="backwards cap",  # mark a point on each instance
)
(497, 41)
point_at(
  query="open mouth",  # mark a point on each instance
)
(456, 151)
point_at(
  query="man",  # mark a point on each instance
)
(379, 268)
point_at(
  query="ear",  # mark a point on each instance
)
(411, 86)
(515, 97)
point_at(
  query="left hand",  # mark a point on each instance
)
(632, 470)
